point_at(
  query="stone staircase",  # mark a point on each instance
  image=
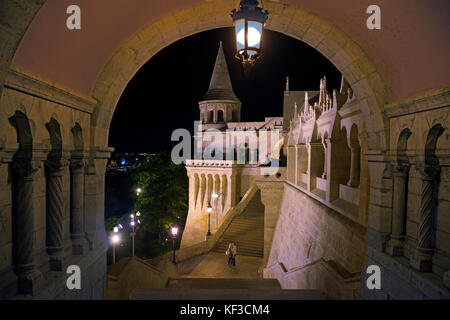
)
(225, 289)
(246, 230)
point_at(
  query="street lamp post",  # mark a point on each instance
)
(133, 232)
(209, 209)
(216, 197)
(174, 231)
(115, 239)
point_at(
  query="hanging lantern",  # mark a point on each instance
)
(248, 22)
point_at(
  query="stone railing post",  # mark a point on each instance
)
(271, 197)
(334, 172)
(314, 167)
(55, 209)
(291, 164)
(77, 167)
(28, 274)
(354, 166)
(325, 162)
(397, 237)
(421, 258)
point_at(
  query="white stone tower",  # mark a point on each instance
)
(220, 104)
(208, 177)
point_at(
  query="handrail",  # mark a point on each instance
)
(200, 248)
(332, 265)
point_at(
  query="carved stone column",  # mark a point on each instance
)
(325, 164)
(28, 275)
(217, 209)
(421, 258)
(291, 163)
(397, 238)
(206, 198)
(77, 167)
(55, 209)
(232, 198)
(354, 166)
(314, 166)
(191, 191)
(335, 171)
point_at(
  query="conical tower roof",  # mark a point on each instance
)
(220, 85)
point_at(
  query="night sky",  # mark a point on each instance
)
(164, 93)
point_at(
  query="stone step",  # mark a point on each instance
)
(255, 245)
(248, 253)
(242, 242)
(224, 294)
(245, 228)
(241, 249)
(247, 231)
(213, 283)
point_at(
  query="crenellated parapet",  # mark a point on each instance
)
(325, 143)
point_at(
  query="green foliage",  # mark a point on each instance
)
(111, 222)
(163, 201)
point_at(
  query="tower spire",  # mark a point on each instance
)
(220, 85)
(286, 91)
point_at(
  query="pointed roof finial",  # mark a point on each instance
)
(323, 89)
(220, 87)
(286, 90)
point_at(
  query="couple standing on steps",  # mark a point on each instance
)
(231, 253)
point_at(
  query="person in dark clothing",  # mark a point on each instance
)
(233, 253)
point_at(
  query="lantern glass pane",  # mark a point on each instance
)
(240, 34)
(254, 34)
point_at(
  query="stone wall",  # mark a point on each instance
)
(131, 273)
(45, 132)
(409, 233)
(308, 232)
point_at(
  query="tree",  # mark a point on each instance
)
(111, 222)
(162, 201)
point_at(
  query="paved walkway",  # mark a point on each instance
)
(214, 265)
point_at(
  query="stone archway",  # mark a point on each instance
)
(319, 33)
(14, 29)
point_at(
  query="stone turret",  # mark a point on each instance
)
(220, 104)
